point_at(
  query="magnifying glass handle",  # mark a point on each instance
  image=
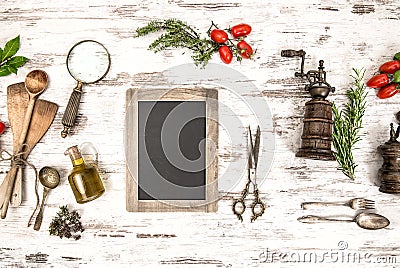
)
(71, 111)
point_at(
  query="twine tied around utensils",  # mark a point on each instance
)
(16, 160)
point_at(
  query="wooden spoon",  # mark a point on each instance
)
(35, 83)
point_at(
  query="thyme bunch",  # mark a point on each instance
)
(347, 124)
(66, 224)
(179, 34)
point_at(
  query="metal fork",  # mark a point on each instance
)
(355, 203)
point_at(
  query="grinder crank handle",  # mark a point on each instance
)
(71, 111)
(291, 53)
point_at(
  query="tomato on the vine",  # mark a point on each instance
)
(2, 127)
(244, 49)
(378, 81)
(388, 91)
(240, 30)
(390, 67)
(225, 54)
(219, 36)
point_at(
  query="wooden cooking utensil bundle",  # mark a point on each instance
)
(42, 116)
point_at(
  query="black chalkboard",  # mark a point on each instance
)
(171, 150)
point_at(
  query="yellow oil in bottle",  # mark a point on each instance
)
(84, 179)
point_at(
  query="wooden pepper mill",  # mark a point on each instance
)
(318, 123)
(389, 173)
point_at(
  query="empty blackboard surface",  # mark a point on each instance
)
(171, 139)
(171, 150)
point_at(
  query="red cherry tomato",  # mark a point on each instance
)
(245, 50)
(2, 127)
(378, 81)
(390, 67)
(388, 91)
(226, 54)
(240, 30)
(219, 36)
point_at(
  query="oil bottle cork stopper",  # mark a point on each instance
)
(73, 153)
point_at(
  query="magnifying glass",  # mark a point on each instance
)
(87, 62)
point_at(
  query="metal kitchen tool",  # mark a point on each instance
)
(371, 221)
(355, 203)
(35, 83)
(317, 130)
(50, 179)
(42, 117)
(87, 62)
(257, 207)
(389, 173)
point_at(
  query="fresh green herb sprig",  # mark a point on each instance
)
(347, 124)
(8, 62)
(66, 224)
(179, 34)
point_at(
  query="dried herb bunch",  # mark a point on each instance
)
(179, 34)
(347, 124)
(66, 224)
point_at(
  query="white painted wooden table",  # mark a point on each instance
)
(345, 34)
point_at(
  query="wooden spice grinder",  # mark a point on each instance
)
(318, 123)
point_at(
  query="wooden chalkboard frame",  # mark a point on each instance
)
(133, 96)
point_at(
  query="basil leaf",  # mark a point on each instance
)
(11, 69)
(397, 56)
(17, 61)
(10, 48)
(4, 71)
(396, 77)
(1, 53)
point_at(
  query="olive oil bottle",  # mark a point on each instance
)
(84, 179)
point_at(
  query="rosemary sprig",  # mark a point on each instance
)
(347, 124)
(179, 34)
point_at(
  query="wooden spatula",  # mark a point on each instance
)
(42, 117)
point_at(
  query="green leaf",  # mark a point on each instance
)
(397, 56)
(4, 71)
(17, 61)
(11, 69)
(10, 48)
(396, 77)
(1, 53)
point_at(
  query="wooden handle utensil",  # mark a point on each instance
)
(35, 83)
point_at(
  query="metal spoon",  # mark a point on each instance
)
(50, 179)
(371, 221)
(35, 83)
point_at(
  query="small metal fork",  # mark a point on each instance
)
(355, 203)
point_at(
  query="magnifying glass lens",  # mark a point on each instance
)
(88, 61)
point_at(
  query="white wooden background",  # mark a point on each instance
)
(345, 34)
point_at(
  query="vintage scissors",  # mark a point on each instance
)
(257, 207)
